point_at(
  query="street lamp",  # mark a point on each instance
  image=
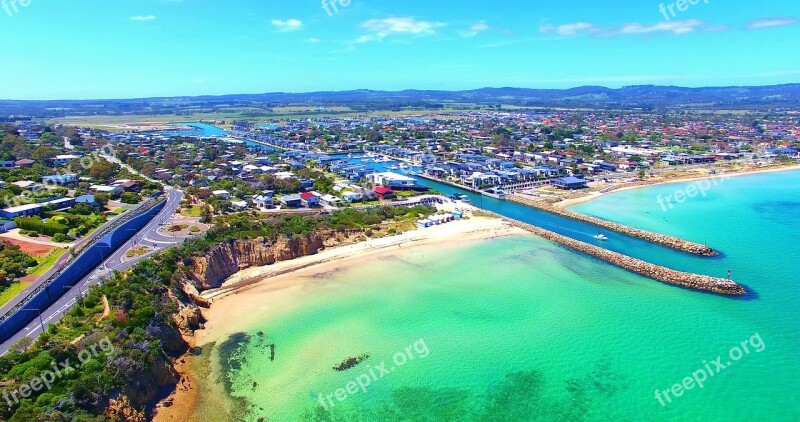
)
(41, 323)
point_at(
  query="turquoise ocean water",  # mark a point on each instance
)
(522, 329)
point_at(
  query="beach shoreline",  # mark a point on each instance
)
(473, 229)
(748, 172)
(241, 294)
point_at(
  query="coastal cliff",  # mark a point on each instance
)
(226, 259)
(661, 239)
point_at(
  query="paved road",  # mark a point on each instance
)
(147, 236)
(63, 258)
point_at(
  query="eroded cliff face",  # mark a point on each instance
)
(226, 259)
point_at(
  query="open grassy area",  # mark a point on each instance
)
(120, 123)
(193, 211)
(46, 262)
(13, 291)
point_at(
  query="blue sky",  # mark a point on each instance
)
(57, 49)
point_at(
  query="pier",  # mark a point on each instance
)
(693, 281)
(661, 239)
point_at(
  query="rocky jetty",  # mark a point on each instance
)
(655, 272)
(661, 239)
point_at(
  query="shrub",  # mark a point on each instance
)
(36, 225)
(60, 237)
(130, 198)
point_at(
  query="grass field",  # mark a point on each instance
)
(46, 262)
(194, 211)
(13, 291)
(119, 123)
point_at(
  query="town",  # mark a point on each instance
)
(334, 162)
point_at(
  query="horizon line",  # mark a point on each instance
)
(399, 91)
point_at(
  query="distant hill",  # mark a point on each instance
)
(641, 96)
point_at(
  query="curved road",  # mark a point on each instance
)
(148, 236)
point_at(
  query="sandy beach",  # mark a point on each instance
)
(473, 229)
(238, 303)
(692, 178)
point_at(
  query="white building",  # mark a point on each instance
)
(60, 160)
(222, 194)
(391, 180)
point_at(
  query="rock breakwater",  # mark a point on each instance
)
(661, 239)
(655, 272)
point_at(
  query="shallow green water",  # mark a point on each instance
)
(521, 329)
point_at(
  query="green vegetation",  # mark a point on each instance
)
(143, 302)
(76, 222)
(36, 225)
(193, 211)
(13, 264)
(13, 290)
(130, 198)
(46, 262)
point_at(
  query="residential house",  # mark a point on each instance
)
(60, 179)
(222, 194)
(60, 160)
(291, 201)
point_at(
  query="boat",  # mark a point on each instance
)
(601, 236)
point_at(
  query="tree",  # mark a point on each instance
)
(44, 153)
(205, 215)
(130, 198)
(101, 198)
(102, 169)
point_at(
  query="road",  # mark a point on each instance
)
(148, 236)
(56, 266)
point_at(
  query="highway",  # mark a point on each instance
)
(148, 236)
(56, 267)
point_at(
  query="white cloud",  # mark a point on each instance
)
(475, 29)
(570, 29)
(143, 18)
(382, 28)
(679, 27)
(771, 23)
(287, 25)
(675, 27)
(313, 40)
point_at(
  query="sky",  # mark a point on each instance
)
(90, 49)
